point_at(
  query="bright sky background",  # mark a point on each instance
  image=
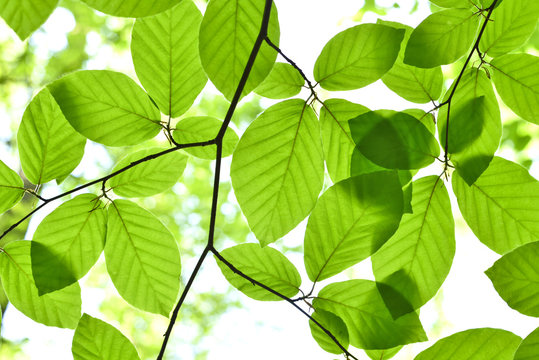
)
(264, 330)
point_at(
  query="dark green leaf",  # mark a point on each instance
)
(107, 107)
(335, 325)
(11, 187)
(357, 56)
(26, 16)
(131, 8)
(283, 81)
(529, 347)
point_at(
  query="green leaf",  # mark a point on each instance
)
(277, 169)
(204, 128)
(94, 339)
(515, 277)
(529, 347)
(515, 77)
(474, 344)
(335, 325)
(164, 49)
(475, 156)
(416, 260)
(227, 35)
(425, 118)
(336, 137)
(26, 16)
(370, 325)
(385, 354)
(394, 140)
(502, 206)
(512, 23)
(142, 258)
(266, 265)
(107, 107)
(442, 38)
(11, 187)
(60, 308)
(350, 221)
(68, 242)
(131, 8)
(149, 177)
(49, 148)
(283, 81)
(452, 3)
(358, 56)
(412, 83)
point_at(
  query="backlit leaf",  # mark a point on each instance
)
(452, 3)
(11, 187)
(385, 354)
(529, 347)
(283, 81)
(465, 124)
(335, 325)
(26, 16)
(131, 8)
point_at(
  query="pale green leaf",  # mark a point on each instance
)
(516, 278)
(227, 35)
(477, 154)
(516, 77)
(60, 308)
(502, 206)
(335, 326)
(283, 81)
(68, 242)
(204, 128)
(336, 137)
(529, 347)
(142, 258)
(49, 148)
(277, 169)
(415, 261)
(412, 83)
(384, 354)
(358, 56)
(94, 339)
(394, 140)
(131, 8)
(11, 187)
(266, 265)
(149, 177)
(442, 38)
(26, 16)
(164, 49)
(512, 23)
(370, 324)
(107, 107)
(474, 344)
(350, 221)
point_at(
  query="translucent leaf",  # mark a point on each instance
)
(335, 325)
(502, 206)
(227, 35)
(49, 148)
(107, 107)
(150, 177)
(142, 258)
(415, 261)
(516, 77)
(425, 118)
(60, 308)
(350, 221)
(11, 187)
(266, 265)
(94, 339)
(277, 169)
(412, 83)
(394, 140)
(204, 128)
(515, 277)
(336, 137)
(370, 325)
(529, 347)
(385, 354)
(512, 23)
(68, 242)
(164, 48)
(26, 16)
(358, 56)
(474, 344)
(452, 3)
(283, 81)
(131, 8)
(475, 156)
(442, 38)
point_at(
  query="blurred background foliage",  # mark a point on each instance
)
(90, 40)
